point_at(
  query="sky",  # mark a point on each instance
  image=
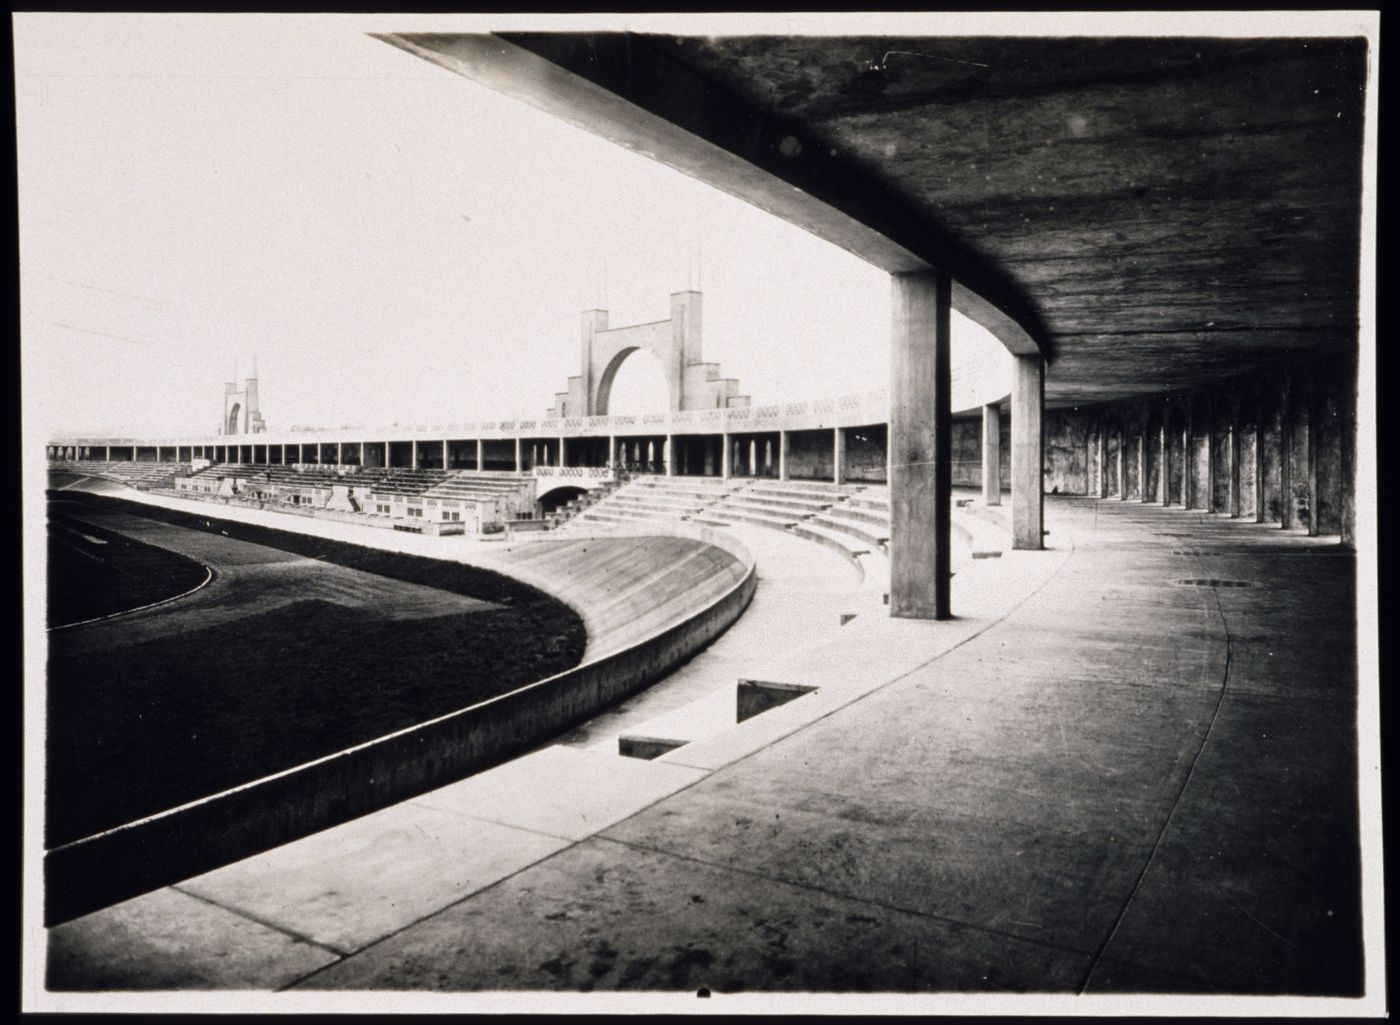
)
(393, 242)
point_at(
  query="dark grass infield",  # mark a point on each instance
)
(94, 572)
(139, 729)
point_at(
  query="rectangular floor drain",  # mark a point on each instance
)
(758, 696)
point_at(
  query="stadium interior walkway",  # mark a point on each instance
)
(1114, 771)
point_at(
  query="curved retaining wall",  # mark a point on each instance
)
(99, 870)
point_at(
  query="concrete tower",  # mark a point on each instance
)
(241, 412)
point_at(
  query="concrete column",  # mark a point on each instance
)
(920, 445)
(1188, 458)
(1143, 496)
(1260, 408)
(838, 456)
(413, 454)
(1028, 453)
(991, 454)
(362, 454)
(481, 453)
(1312, 410)
(386, 455)
(1164, 462)
(339, 453)
(517, 455)
(1235, 461)
(1103, 459)
(782, 455)
(444, 454)
(1285, 456)
(725, 469)
(560, 460)
(1210, 454)
(612, 451)
(666, 447)
(133, 453)
(1346, 461)
(107, 457)
(1122, 462)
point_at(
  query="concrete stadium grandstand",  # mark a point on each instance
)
(1047, 669)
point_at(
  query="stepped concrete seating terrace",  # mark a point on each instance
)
(803, 508)
(787, 506)
(409, 483)
(467, 484)
(652, 498)
(231, 471)
(136, 474)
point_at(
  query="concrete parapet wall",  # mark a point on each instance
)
(92, 873)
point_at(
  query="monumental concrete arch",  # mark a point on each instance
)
(691, 383)
(241, 412)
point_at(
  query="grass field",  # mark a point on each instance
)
(135, 728)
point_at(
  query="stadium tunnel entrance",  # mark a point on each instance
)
(556, 498)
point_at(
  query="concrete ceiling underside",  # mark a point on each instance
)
(1155, 214)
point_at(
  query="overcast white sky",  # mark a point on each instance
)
(395, 242)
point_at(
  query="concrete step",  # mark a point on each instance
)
(650, 505)
(860, 532)
(739, 508)
(797, 489)
(875, 517)
(805, 506)
(732, 516)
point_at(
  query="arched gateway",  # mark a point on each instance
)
(691, 383)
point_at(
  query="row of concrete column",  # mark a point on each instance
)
(542, 453)
(1238, 483)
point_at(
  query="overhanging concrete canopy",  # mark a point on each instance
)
(1152, 214)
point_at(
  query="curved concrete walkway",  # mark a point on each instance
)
(1104, 776)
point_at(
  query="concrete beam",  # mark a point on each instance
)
(626, 89)
(991, 454)
(1028, 454)
(920, 439)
